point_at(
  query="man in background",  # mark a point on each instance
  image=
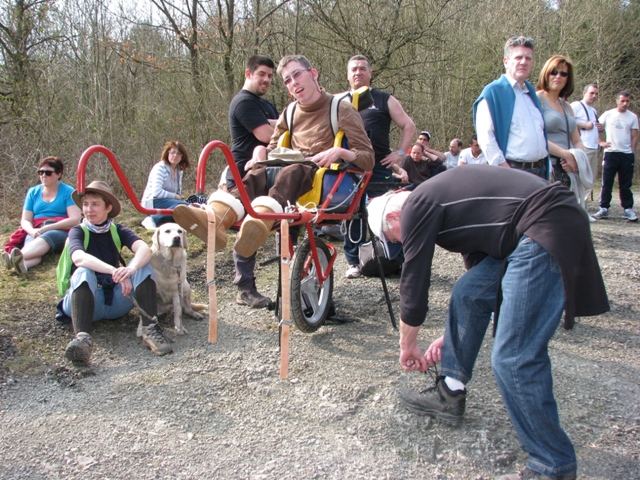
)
(508, 117)
(377, 122)
(621, 128)
(588, 126)
(453, 155)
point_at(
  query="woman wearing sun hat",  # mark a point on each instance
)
(101, 288)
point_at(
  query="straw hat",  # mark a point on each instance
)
(101, 188)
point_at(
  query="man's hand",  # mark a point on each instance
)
(259, 155)
(412, 359)
(600, 127)
(326, 158)
(433, 354)
(391, 159)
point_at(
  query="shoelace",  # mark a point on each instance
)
(433, 373)
(156, 333)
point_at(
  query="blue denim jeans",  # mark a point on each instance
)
(120, 306)
(165, 203)
(531, 308)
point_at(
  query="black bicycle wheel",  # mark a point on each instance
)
(310, 299)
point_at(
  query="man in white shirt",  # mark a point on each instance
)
(508, 117)
(621, 128)
(472, 155)
(453, 155)
(588, 126)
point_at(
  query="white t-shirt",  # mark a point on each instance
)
(618, 128)
(451, 160)
(585, 113)
(467, 157)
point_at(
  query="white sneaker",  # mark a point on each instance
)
(7, 261)
(602, 213)
(630, 215)
(591, 219)
(18, 262)
(148, 223)
(353, 272)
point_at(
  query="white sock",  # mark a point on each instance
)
(453, 384)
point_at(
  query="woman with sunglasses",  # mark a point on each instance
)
(555, 84)
(164, 186)
(48, 214)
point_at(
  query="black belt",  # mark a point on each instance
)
(527, 165)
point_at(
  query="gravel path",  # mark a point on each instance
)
(221, 411)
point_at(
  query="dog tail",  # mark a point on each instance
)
(198, 307)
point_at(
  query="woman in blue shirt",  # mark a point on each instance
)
(48, 214)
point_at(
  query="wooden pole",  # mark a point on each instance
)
(285, 307)
(211, 273)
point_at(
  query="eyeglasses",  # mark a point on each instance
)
(47, 173)
(173, 152)
(294, 76)
(558, 72)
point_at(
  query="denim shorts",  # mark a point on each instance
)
(55, 239)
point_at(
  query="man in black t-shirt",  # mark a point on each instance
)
(251, 122)
(251, 117)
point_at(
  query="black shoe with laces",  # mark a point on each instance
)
(153, 337)
(437, 401)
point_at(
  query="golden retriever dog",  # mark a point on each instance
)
(169, 264)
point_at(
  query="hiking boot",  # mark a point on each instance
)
(437, 401)
(153, 337)
(6, 258)
(252, 298)
(630, 215)
(602, 213)
(528, 474)
(18, 261)
(79, 349)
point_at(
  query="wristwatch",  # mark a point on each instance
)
(401, 153)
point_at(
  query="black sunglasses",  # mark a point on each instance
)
(558, 72)
(48, 173)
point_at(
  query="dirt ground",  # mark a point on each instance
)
(219, 410)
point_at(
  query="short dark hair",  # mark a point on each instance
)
(586, 87)
(623, 93)
(361, 58)
(53, 162)
(473, 137)
(257, 60)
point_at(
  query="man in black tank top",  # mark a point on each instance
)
(377, 122)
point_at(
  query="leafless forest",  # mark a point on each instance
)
(131, 75)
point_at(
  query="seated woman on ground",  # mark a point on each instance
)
(102, 288)
(48, 214)
(164, 186)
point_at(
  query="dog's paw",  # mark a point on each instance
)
(181, 331)
(196, 316)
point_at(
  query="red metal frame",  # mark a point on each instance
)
(294, 218)
(81, 171)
